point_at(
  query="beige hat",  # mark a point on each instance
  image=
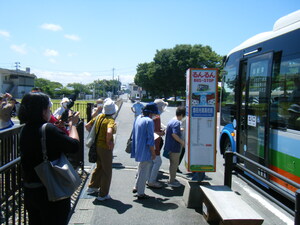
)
(161, 105)
(109, 107)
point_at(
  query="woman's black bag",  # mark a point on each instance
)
(93, 148)
(129, 144)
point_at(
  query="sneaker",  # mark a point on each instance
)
(91, 190)
(134, 190)
(99, 198)
(174, 184)
(155, 185)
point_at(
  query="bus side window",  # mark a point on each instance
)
(285, 107)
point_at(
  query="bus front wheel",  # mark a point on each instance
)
(226, 146)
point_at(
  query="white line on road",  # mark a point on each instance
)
(267, 205)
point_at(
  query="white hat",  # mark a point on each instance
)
(109, 107)
(161, 105)
(64, 100)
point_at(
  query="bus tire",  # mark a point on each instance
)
(226, 146)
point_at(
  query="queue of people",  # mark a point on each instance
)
(35, 110)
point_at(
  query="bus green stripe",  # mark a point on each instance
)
(285, 162)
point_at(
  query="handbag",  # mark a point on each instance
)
(58, 176)
(129, 144)
(93, 149)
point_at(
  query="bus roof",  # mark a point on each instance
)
(283, 25)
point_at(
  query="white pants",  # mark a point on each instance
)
(142, 176)
(156, 163)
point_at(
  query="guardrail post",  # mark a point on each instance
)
(89, 108)
(228, 168)
(297, 207)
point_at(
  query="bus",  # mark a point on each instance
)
(260, 101)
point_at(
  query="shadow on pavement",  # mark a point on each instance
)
(159, 204)
(119, 206)
(168, 191)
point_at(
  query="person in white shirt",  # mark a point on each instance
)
(137, 108)
(58, 112)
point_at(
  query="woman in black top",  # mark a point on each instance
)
(34, 112)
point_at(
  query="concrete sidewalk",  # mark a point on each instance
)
(166, 205)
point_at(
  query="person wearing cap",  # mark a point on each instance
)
(143, 147)
(58, 112)
(156, 163)
(105, 127)
(6, 107)
(137, 108)
(97, 108)
(173, 144)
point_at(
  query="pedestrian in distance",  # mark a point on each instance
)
(159, 133)
(143, 150)
(137, 108)
(34, 112)
(105, 127)
(173, 144)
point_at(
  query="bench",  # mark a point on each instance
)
(221, 204)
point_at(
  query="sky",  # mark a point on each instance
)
(82, 41)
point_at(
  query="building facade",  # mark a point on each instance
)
(16, 82)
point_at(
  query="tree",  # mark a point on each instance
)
(166, 74)
(144, 77)
(47, 86)
(79, 88)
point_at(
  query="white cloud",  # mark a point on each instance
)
(52, 27)
(72, 37)
(77, 77)
(51, 52)
(19, 48)
(66, 77)
(4, 33)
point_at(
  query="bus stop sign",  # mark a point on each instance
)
(201, 122)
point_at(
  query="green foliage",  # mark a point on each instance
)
(165, 76)
(47, 86)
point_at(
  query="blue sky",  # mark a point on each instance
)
(82, 41)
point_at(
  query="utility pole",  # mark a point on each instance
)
(17, 65)
(113, 87)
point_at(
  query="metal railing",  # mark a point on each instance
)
(295, 198)
(12, 209)
(78, 107)
(11, 191)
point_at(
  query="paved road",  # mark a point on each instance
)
(166, 205)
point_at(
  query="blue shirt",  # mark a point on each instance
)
(138, 107)
(142, 139)
(171, 145)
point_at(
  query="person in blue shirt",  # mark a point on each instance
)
(143, 150)
(137, 108)
(173, 144)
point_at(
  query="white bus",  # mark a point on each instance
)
(260, 101)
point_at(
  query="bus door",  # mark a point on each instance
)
(254, 109)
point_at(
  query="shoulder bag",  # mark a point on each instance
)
(58, 176)
(129, 144)
(93, 149)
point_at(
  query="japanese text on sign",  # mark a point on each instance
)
(202, 111)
